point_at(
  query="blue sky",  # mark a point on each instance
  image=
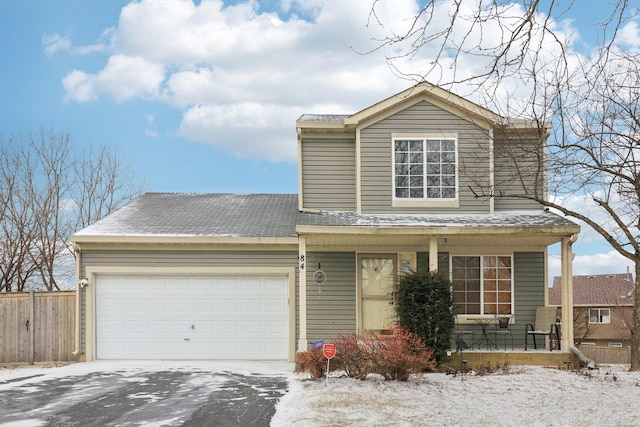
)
(203, 96)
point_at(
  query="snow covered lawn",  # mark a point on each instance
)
(518, 395)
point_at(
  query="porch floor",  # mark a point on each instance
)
(489, 359)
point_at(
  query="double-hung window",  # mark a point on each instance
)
(599, 315)
(425, 169)
(482, 284)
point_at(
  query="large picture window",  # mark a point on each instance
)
(482, 284)
(425, 168)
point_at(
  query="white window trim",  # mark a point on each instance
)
(466, 318)
(600, 323)
(436, 203)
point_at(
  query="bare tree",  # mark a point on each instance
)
(589, 103)
(103, 184)
(49, 190)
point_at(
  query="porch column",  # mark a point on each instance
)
(302, 293)
(433, 254)
(567, 292)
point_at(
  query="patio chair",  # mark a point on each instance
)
(546, 325)
(460, 334)
(503, 328)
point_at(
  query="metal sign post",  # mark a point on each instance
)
(329, 350)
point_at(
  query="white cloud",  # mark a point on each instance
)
(123, 78)
(248, 130)
(55, 42)
(238, 61)
(630, 34)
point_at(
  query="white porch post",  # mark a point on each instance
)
(302, 293)
(567, 293)
(433, 254)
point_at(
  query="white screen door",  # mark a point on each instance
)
(377, 280)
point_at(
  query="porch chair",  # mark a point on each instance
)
(546, 325)
(502, 327)
(460, 334)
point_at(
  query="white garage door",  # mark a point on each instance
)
(192, 317)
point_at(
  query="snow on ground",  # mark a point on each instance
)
(518, 395)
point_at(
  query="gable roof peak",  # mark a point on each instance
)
(433, 93)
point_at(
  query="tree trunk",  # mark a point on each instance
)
(635, 325)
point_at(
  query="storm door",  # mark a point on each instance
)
(377, 282)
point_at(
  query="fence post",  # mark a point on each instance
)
(31, 325)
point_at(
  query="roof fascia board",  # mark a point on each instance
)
(81, 240)
(151, 247)
(435, 231)
(320, 125)
(475, 119)
(435, 94)
(323, 134)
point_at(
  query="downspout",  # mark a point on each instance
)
(77, 253)
(584, 359)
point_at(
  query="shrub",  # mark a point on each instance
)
(353, 355)
(425, 307)
(313, 362)
(394, 355)
(400, 354)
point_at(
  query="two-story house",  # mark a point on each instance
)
(414, 181)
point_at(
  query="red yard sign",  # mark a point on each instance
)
(329, 350)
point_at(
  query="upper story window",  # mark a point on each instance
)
(425, 170)
(599, 315)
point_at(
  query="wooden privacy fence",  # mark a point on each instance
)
(37, 326)
(608, 355)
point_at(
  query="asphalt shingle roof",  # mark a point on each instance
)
(223, 215)
(597, 289)
(323, 117)
(272, 215)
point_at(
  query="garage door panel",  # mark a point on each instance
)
(158, 305)
(228, 305)
(251, 306)
(229, 327)
(275, 306)
(182, 317)
(181, 305)
(206, 305)
(227, 285)
(275, 328)
(132, 326)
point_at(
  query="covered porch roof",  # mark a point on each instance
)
(521, 228)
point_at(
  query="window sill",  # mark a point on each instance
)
(422, 203)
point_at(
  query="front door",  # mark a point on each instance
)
(377, 283)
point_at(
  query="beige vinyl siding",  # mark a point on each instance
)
(328, 174)
(183, 259)
(331, 307)
(423, 117)
(516, 181)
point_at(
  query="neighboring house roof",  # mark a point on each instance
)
(277, 215)
(597, 290)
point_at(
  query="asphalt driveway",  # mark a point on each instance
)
(143, 394)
